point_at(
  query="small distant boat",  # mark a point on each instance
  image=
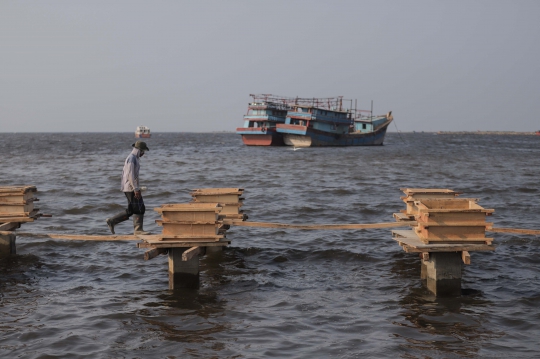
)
(263, 114)
(325, 122)
(142, 132)
(537, 133)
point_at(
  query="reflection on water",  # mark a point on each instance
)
(189, 317)
(450, 327)
(453, 327)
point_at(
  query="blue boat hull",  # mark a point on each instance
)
(309, 137)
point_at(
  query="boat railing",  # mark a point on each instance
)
(329, 103)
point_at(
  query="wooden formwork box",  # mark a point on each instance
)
(415, 194)
(17, 201)
(228, 198)
(193, 221)
(461, 220)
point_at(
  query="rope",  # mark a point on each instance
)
(399, 133)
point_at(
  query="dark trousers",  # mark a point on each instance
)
(135, 206)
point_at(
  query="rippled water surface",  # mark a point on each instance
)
(273, 293)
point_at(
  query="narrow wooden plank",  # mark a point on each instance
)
(190, 236)
(201, 242)
(154, 252)
(450, 248)
(454, 224)
(160, 222)
(534, 232)
(446, 210)
(402, 217)
(14, 214)
(17, 189)
(80, 237)
(153, 237)
(181, 244)
(409, 191)
(455, 240)
(16, 219)
(230, 216)
(318, 226)
(414, 244)
(190, 253)
(222, 203)
(162, 237)
(466, 257)
(195, 240)
(216, 191)
(189, 207)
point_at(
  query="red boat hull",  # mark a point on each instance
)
(144, 135)
(263, 140)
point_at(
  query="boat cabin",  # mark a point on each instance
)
(142, 132)
(327, 120)
(265, 114)
(367, 124)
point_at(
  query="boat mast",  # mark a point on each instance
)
(355, 112)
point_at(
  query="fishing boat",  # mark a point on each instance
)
(263, 114)
(325, 122)
(142, 132)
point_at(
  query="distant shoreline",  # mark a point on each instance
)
(484, 133)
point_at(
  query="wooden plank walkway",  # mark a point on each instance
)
(533, 232)
(406, 236)
(319, 226)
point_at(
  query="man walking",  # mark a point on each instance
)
(130, 187)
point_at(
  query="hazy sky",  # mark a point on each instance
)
(180, 66)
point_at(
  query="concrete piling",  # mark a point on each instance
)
(183, 274)
(7, 245)
(442, 273)
(214, 250)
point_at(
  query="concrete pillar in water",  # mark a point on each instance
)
(183, 274)
(442, 273)
(7, 245)
(214, 250)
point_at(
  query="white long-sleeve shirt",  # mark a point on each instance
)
(130, 174)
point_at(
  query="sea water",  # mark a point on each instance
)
(273, 293)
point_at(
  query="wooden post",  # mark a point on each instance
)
(183, 274)
(442, 273)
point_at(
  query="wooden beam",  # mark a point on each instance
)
(16, 219)
(154, 252)
(411, 243)
(181, 244)
(79, 237)
(466, 257)
(534, 232)
(190, 253)
(319, 226)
